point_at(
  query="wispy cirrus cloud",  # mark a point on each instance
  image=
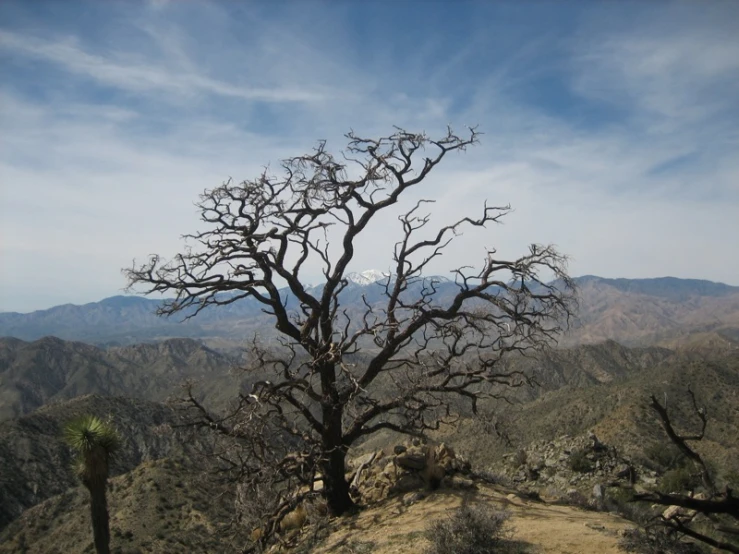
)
(140, 76)
(681, 65)
(613, 139)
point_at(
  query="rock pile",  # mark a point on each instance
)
(574, 463)
(407, 469)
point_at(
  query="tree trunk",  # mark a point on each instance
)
(335, 485)
(99, 515)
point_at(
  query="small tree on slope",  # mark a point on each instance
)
(719, 507)
(420, 348)
(94, 441)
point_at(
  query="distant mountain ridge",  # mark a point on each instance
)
(653, 311)
(671, 287)
(132, 319)
(51, 370)
(632, 311)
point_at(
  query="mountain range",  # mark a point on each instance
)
(51, 370)
(631, 311)
(115, 358)
(602, 388)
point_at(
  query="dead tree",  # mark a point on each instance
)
(721, 508)
(421, 347)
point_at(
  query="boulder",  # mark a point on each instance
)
(295, 519)
(407, 483)
(445, 452)
(432, 475)
(410, 460)
(405, 469)
(624, 471)
(459, 483)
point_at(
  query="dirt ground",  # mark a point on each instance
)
(392, 528)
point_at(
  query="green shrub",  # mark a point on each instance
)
(620, 501)
(491, 477)
(579, 500)
(579, 462)
(678, 480)
(662, 457)
(470, 530)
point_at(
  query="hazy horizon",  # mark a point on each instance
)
(154, 297)
(609, 127)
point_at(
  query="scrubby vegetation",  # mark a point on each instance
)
(553, 460)
(472, 530)
(656, 540)
(579, 462)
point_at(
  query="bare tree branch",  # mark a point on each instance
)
(339, 372)
(713, 505)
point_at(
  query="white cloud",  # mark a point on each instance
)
(136, 75)
(680, 66)
(91, 179)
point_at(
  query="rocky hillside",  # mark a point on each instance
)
(617, 412)
(587, 365)
(163, 502)
(397, 527)
(154, 511)
(52, 370)
(35, 464)
(162, 506)
(647, 311)
(166, 505)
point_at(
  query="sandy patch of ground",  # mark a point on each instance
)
(392, 528)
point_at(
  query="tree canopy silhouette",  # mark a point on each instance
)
(420, 346)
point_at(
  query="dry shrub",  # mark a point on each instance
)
(656, 541)
(471, 530)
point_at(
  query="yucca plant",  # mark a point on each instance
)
(94, 441)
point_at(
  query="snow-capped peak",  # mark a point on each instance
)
(438, 279)
(367, 277)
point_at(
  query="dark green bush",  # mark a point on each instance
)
(620, 501)
(579, 462)
(662, 457)
(678, 480)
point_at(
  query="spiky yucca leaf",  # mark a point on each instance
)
(89, 432)
(95, 441)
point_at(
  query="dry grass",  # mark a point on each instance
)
(538, 528)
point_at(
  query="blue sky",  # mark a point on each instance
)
(612, 128)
